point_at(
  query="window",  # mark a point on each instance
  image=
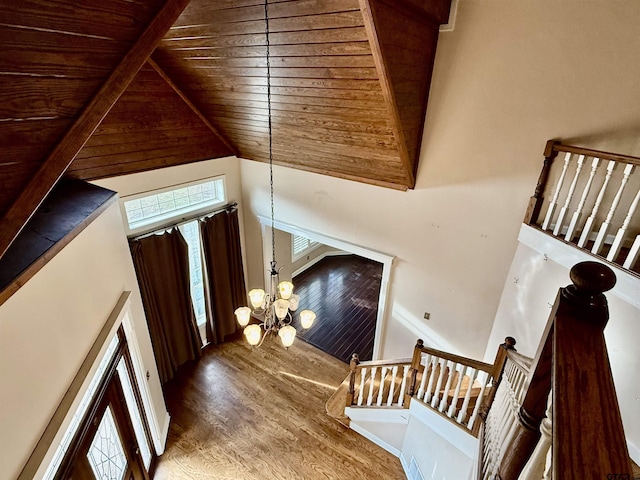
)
(82, 409)
(134, 412)
(301, 246)
(191, 233)
(148, 210)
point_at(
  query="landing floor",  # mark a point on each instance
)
(260, 415)
(344, 292)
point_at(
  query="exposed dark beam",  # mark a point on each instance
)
(63, 154)
(387, 88)
(191, 105)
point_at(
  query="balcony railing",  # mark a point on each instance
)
(590, 199)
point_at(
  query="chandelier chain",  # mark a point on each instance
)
(275, 307)
(273, 232)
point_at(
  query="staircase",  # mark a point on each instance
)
(507, 407)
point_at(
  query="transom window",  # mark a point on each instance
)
(148, 210)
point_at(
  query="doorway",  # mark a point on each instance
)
(386, 262)
(343, 291)
(107, 448)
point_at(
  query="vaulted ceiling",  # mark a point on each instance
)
(100, 88)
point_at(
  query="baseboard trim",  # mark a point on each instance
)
(161, 445)
(634, 452)
(378, 414)
(405, 465)
(322, 256)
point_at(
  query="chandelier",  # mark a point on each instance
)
(274, 308)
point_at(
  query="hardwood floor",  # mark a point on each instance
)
(343, 291)
(246, 414)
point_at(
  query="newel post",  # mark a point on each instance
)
(353, 364)
(588, 436)
(496, 373)
(415, 368)
(535, 202)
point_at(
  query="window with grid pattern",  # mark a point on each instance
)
(164, 205)
(301, 246)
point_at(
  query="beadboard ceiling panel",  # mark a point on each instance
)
(54, 56)
(349, 80)
(329, 110)
(149, 127)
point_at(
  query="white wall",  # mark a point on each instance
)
(529, 292)
(48, 326)
(509, 77)
(441, 450)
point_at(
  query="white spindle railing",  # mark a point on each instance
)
(381, 384)
(502, 418)
(604, 228)
(633, 255)
(588, 226)
(572, 188)
(556, 193)
(538, 467)
(611, 195)
(453, 389)
(622, 231)
(583, 199)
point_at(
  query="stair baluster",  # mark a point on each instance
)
(588, 226)
(622, 231)
(556, 193)
(372, 380)
(604, 228)
(565, 208)
(405, 375)
(454, 402)
(575, 219)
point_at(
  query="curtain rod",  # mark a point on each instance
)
(228, 207)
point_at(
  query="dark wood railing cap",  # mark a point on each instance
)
(420, 343)
(509, 343)
(590, 280)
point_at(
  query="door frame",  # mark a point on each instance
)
(383, 258)
(111, 375)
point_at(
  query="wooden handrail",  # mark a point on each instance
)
(470, 362)
(383, 363)
(587, 152)
(588, 438)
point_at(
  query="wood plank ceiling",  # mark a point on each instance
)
(54, 57)
(150, 126)
(336, 108)
(350, 81)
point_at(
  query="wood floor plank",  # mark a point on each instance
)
(249, 414)
(343, 291)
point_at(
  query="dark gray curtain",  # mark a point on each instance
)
(162, 268)
(223, 265)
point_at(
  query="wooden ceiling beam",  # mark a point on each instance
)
(371, 27)
(63, 154)
(436, 11)
(403, 43)
(192, 106)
